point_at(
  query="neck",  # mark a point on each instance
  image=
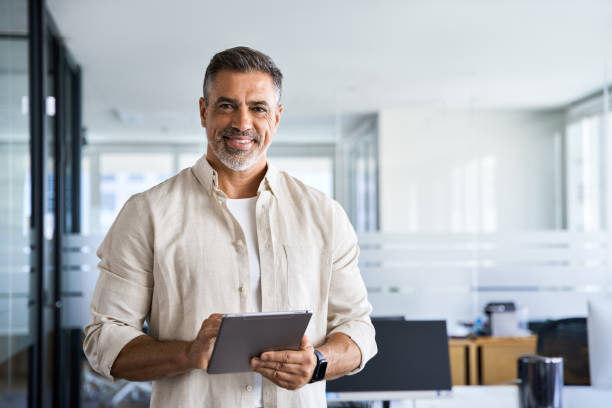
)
(238, 184)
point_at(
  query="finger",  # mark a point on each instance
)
(281, 383)
(285, 356)
(212, 323)
(296, 369)
(210, 328)
(213, 318)
(287, 385)
(210, 332)
(279, 377)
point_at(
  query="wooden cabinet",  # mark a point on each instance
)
(497, 357)
(487, 360)
(460, 352)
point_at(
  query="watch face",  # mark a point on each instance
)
(322, 369)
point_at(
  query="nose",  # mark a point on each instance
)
(242, 119)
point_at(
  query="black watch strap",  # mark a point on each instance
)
(320, 368)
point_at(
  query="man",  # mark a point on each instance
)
(230, 235)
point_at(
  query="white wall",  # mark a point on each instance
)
(467, 171)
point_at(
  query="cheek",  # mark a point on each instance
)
(216, 123)
(266, 130)
(267, 139)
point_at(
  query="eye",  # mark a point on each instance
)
(225, 106)
(259, 109)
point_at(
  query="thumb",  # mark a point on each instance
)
(305, 344)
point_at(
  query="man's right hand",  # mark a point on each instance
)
(201, 348)
(146, 359)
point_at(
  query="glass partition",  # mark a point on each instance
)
(483, 205)
(16, 333)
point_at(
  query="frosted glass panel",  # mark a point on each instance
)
(317, 172)
(16, 276)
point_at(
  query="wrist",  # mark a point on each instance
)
(187, 357)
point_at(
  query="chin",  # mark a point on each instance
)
(241, 165)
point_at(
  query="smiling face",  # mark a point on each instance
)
(241, 117)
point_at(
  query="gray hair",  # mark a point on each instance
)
(242, 59)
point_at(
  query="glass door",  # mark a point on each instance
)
(40, 126)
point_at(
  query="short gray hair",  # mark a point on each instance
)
(242, 59)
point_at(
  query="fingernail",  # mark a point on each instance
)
(264, 357)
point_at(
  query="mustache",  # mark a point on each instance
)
(233, 132)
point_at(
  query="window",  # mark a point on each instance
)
(187, 160)
(121, 176)
(586, 161)
(317, 172)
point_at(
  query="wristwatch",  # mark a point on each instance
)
(320, 368)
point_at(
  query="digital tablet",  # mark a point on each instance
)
(244, 336)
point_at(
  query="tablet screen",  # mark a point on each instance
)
(243, 336)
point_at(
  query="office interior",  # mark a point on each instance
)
(469, 142)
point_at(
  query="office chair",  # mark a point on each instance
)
(567, 338)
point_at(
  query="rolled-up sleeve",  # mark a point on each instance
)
(349, 309)
(122, 297)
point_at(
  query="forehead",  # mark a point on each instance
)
(241, 85)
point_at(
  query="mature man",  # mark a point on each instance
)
(229, 235)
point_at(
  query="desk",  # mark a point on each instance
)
(506, 396)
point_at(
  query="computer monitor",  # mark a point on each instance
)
(412, 362)
(599, 333)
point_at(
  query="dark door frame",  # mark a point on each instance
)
(37, 138)
(41, 30)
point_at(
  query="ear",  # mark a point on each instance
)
(277, 116)
(202, 112)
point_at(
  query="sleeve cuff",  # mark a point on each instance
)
(117, 338)
(362, 335)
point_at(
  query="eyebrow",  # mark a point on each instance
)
(264, 103)
(222, 99)
(225, 99)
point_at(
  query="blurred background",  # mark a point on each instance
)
(469, 142)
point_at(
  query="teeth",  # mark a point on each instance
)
(243, 141)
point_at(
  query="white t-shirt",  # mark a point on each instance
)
(243, 209)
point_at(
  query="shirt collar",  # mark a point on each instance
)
(208, 177)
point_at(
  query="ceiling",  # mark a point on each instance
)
(143, 61)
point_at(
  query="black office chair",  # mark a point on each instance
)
(567, 338)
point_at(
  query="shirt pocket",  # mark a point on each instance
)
(307, 276)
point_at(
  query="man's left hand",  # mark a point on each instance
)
(289, 369)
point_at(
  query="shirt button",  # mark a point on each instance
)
(249, 388)
(241, 289)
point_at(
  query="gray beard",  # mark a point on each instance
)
(234, 159)
(237, 161)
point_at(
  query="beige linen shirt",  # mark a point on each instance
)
(175, 254)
